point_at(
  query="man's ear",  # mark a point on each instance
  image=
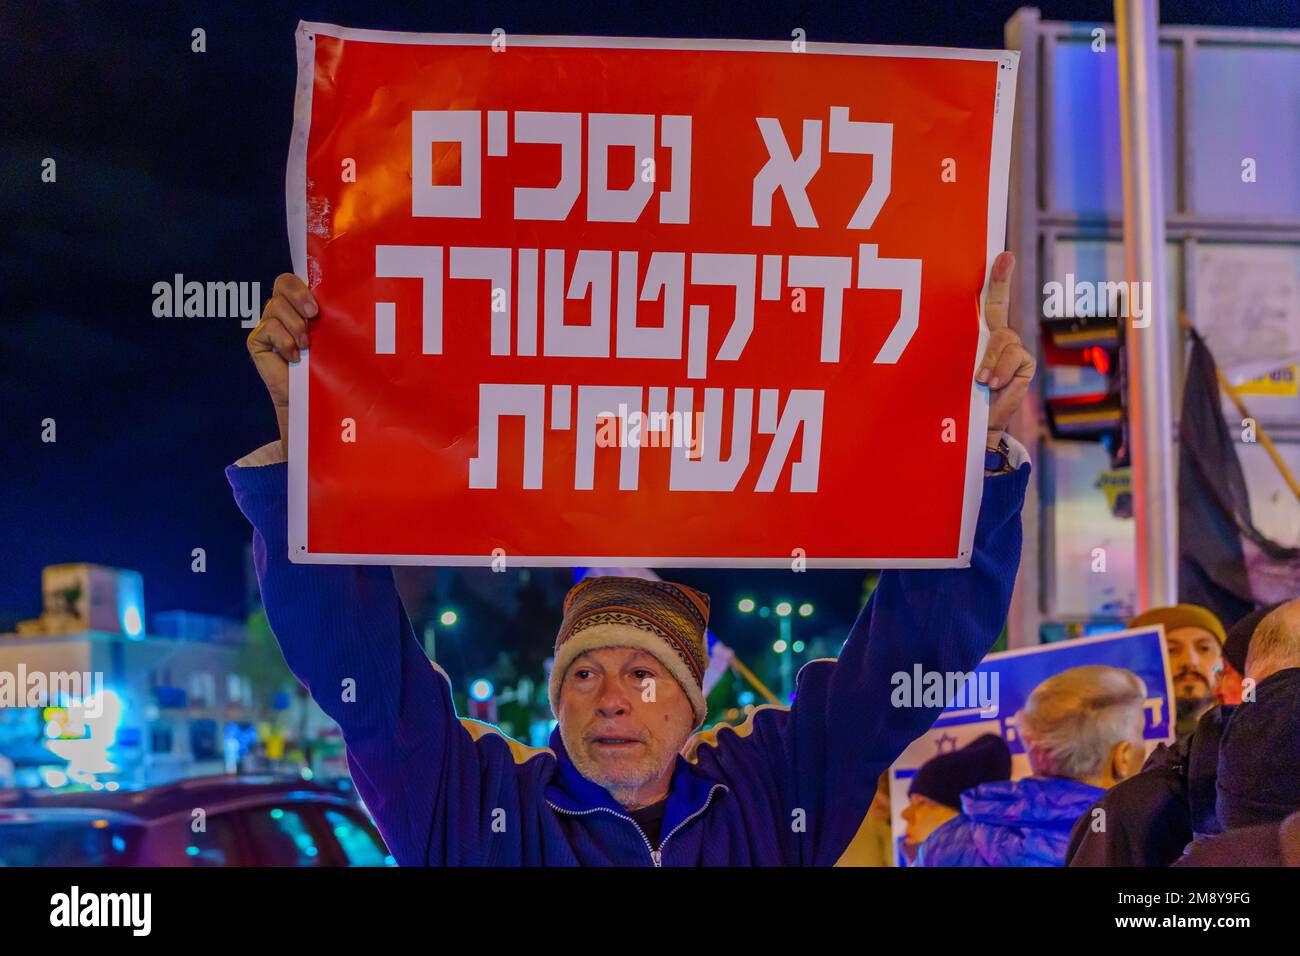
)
(1121, 759)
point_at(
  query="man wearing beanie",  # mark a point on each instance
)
(788, 787)
(934, 796)
(650, 636)
(1154, 816)
(1194, 639)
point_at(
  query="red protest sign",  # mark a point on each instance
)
(641, 302)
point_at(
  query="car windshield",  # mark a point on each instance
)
(89, 842)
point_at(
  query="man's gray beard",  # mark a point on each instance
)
(596, 775)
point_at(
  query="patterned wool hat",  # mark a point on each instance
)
(663, 619)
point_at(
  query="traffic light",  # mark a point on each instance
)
(1097, 343)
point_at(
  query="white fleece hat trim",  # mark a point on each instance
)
(626, 635)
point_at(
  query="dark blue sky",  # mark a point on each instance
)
(170, 161)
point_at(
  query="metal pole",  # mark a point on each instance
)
(1147, 339)
(1023, 33)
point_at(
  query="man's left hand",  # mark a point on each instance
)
(1008, 368)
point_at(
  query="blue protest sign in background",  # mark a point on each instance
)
(1004, 681)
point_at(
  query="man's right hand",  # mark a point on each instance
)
(279, 339)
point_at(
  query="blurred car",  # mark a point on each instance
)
(205, 821)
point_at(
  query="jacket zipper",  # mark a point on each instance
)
(656, 856)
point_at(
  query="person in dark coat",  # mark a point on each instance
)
(1082, 732)
(1272, 844)
(1150, 818)
(1258, 781)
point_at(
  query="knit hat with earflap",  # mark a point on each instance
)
(664, 619)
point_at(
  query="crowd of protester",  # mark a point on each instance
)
(1225, 792)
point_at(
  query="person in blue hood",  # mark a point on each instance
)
(788, 787)
(1082, 733)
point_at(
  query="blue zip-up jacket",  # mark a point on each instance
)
(789, 786)
(1023, 822)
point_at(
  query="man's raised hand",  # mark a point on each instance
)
(1008, 368)
(280, 339)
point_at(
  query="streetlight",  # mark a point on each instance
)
(482, 700)
(784, 646)
(447, 618)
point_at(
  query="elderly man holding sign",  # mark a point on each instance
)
(791, 785)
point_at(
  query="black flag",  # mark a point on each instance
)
(1220, 550)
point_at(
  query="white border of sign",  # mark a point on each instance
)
(296, 211)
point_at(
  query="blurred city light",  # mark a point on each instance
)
(805, 609)
(745, 605)
(131, 623)
(779, 647)
(448, 618)
(784, 608)
(481, 689)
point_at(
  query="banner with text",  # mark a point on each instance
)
(641, 302)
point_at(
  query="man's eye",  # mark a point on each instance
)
(582, 674)
(641, 674)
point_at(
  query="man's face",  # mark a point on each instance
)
(1196, 660)
(923, 816)
(623, 718)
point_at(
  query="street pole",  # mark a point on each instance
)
(1148, 345)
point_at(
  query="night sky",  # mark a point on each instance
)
(171, 162)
